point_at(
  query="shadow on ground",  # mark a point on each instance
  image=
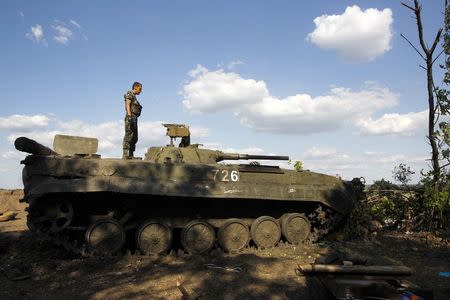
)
(37, 270)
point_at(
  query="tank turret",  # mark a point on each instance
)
(191, 153)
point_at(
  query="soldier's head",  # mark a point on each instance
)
(137, 88)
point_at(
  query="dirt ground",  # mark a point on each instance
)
(39, 270)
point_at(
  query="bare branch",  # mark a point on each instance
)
(423, 57)
(423, 67)
(444, 166)
(417, 11)
(406, 5)
(436, 40)
(442, 51)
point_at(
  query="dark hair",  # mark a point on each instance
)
(136, 84)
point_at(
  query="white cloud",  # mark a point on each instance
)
(36, 34)
(316, 152)
(11, 154)
(63, 34)
(371, 165)
(210, 91)
(358, 35)
(305, 114)
(75, 23)
(23, 122)
(234, 63)
(395, 124)
(199, 132)
(251, 102)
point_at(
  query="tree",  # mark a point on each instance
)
(427, 55)
(402, 173)
(436, 182)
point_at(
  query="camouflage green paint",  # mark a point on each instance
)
(131, 134)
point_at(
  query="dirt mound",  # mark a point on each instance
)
(9, 200)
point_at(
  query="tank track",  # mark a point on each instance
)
(323, 221)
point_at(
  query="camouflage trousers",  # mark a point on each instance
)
(131, 134)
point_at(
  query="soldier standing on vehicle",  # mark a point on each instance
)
(133, 110)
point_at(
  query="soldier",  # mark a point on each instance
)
(133, 110)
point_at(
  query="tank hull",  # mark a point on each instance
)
(48, 175)
(110, 205)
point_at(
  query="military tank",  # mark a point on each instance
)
(176, 197)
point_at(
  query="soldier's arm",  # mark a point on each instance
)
(128, 106)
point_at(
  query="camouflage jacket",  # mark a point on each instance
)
(136, 107)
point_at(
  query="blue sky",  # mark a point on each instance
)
(330, 83)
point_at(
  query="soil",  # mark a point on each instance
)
(31, 269)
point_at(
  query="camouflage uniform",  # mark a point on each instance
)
(131, 128)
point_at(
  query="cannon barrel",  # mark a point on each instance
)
(31, 146)
(236, 156)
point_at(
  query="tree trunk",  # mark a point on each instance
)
(431, 121)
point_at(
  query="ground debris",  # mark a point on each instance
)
(225, 268)
(8, 216)
(188, 294)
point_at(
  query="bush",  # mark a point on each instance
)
(395, 205)
(383, 184)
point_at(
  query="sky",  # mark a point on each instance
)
(329, 83)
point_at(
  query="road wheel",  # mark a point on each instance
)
(266, 232)
(198, 237)
(295, 228)
(153, 237)
(233, 235)
(105, 236)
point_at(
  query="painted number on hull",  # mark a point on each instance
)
(226, 175)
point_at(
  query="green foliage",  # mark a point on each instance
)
(402, 173)
(395, 205)
(383, 184)
(436, 197)
(298, 165)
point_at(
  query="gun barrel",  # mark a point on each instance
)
(268, 157)
(237, 156)
(30, 146)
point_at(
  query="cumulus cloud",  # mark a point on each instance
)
(357, 35)
(305, 114)
(395, 124)
(62, 34)
(23, 122)
(251, 102)
(36, 34)
(210, 91)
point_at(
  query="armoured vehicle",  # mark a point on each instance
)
(175, 197)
